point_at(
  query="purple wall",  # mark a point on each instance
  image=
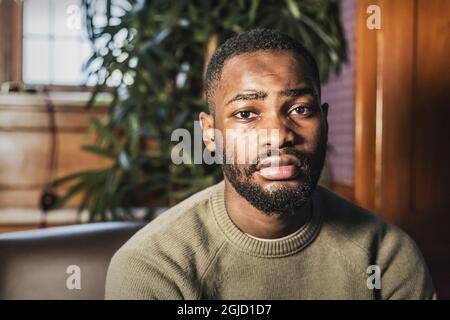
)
(339, 93)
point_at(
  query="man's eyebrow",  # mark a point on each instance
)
(257, 95)
(298, 92)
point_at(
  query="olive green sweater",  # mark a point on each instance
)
(195, 251)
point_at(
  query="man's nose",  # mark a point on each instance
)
(279, 134)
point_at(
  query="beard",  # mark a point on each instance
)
(283, 199)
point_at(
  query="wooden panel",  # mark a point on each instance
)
(27, 155)
(24, 158)
(15, 228)
(430, 220)
(365, 107)
(17, 198)
(34, 118)
(71, 158)
(402, 112)
(383, 127)
(25, 146)
(432, 106)
(394, 149)
(24, 171)
(29, 198)
(26, 227)
(11, 26)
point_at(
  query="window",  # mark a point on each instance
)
(55, 43)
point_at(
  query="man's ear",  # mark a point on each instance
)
(207, 125)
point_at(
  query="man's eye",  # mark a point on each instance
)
(301, 110)
(245, 115)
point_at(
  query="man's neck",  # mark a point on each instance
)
(259, 224)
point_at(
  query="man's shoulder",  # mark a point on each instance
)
(347, 216)
(362, 239)
(362, 232)
(186, 222)
(168, 254)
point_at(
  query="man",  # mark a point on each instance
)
(267, 231)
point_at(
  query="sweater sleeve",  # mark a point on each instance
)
(133, 275)
(404, 274)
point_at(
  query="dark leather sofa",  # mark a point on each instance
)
(36, 264)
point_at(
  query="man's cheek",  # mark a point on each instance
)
(313, 139)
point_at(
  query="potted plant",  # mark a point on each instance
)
(153, 55)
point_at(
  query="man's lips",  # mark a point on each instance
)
(279, 167)
(279, 173)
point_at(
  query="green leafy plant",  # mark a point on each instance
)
(153, 54)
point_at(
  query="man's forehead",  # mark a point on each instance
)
(263, 70)
(260, 62)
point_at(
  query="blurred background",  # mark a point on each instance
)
(91, 91)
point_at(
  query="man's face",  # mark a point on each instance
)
(273, 95)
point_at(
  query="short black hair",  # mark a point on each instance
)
(252, 41)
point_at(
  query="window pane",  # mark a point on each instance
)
(36, 68)
(68, 62)
(86, 50)
(67, 18)
(36, 17)
(87, 53)
(55, 42)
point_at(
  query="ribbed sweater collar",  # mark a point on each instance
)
(269, 249)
